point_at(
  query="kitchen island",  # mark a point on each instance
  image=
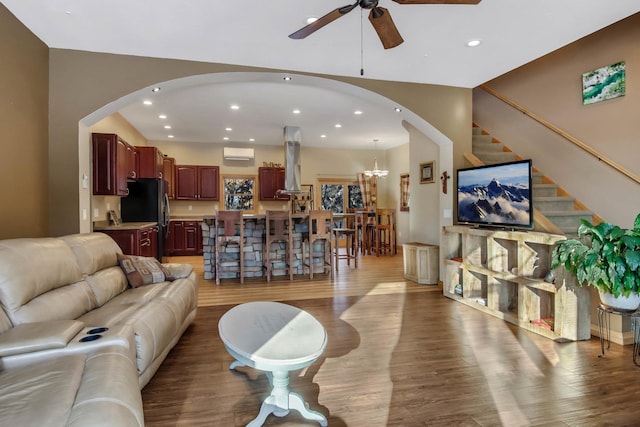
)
(254, 241)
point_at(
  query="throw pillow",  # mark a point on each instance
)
(143, 270)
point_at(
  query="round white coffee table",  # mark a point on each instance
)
(276, 338)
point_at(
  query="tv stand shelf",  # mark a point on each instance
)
(502, 273)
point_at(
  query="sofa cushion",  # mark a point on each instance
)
(107, 284)
(142, 271)
(42, 393)
(93, 251)
(32, 267)
(68, 302)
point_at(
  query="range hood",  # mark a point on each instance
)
(292, 138)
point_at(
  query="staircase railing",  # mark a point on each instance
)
(565, 135)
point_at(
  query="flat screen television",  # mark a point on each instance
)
(496, 195)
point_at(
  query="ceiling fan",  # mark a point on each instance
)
(379, 18)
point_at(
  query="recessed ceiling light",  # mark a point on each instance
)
(296, 111)
(323, 136)
(167, 126)
(311, 19)
(228, 129)
(397, 109)
(226, 138)
(170, 136)
(251, 139)
(357, 112)
(235, 107)
(147, 102)
(338, 125)
(68, 12)
(162, 116)
(155, 89)
(286, 78)
(473, 43)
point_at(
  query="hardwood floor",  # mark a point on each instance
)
(399, 354)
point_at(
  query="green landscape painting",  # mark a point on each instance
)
(603, 83)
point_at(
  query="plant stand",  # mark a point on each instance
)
(604, 323)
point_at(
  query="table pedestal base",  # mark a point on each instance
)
(282, 400)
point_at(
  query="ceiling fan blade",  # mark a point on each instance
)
(384, 26)
(437, 1)
(322, 21)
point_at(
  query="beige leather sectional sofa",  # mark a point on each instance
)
(77, 343)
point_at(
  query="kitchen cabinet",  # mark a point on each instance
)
(136, 241)
(113, 164)
(270, 180)
(150, 162)
(195, 182)
(169, 175)
(185, 238)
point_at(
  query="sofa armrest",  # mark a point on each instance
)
(178, 270)
(38, 336)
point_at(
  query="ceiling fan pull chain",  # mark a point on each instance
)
(361, 43)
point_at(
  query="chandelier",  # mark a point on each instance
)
(376, 170)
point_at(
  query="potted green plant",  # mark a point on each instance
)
(606, 257)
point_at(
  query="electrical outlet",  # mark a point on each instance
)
(190, 207)
(84, 214)
(108, 206)
(96, 213)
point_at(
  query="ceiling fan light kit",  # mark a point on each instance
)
(379, 17)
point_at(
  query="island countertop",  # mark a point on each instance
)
(124, 226)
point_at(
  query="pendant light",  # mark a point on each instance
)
(376, 170)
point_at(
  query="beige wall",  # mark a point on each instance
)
(74, 95)
(551, 88)
(23, 131)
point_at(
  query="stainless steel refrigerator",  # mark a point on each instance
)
(148, 201)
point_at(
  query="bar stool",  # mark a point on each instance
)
(279, 229)
(384, 231)
(227, 222)
(369, 236)
(351, 246)
(320, 228)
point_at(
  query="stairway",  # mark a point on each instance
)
(548, 198)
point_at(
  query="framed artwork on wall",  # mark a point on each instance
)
(603, 83)
(404, 192)
(426, 172)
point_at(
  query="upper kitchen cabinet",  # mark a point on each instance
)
(197, 182)
(169, 175)
(270, 180)
(114, 161)
(150, 162)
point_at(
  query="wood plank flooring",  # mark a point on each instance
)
(399, 354)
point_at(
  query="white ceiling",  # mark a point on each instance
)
(254, 33)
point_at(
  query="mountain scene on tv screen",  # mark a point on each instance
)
(495, 196)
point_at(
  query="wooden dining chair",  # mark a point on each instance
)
(385, 231)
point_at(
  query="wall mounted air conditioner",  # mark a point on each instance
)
(234, 153)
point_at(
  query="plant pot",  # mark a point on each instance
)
(621, 303)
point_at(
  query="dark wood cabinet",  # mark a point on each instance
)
(113, 163)
(185, 238)
(140, 242)
(197, 182)
(150, 162)
(169, 175)
(270, 180)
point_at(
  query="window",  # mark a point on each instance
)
(239, 192)
(335, 195)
